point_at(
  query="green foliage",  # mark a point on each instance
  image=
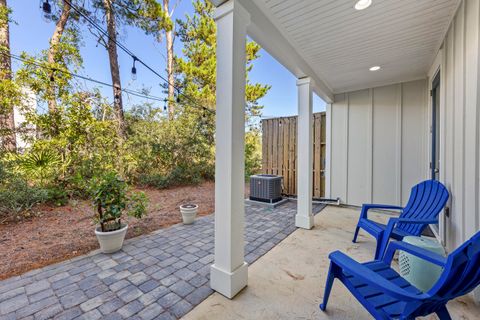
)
(197, 77)
(67, 59)
(168, 152)
(17, 198)
(253, 152)
(148, 15)
(39, 165)
(197, 67)
(110, 196)
(75, 145)
(10, 95)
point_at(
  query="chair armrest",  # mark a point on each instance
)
(414, 221)
(416, 251)
(393, 221)
(367, 207)
(391, 225)
(372, 278)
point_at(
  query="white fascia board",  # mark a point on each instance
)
(264, 32)
(267, 35)
(217, 3)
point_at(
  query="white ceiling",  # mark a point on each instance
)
(340, 43)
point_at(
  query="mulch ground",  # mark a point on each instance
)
(60, 233)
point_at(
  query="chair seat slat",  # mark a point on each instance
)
(383, 300)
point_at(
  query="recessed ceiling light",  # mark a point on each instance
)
(375, 68)
(363, 4)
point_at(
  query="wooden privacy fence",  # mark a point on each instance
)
(279, 152)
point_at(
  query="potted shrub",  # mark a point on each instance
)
(112, 198)
(189, 212)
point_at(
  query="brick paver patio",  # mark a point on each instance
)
(162, 275)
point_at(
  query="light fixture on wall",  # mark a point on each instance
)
(363, 4)
(375, 68)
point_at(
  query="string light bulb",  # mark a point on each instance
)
(165, 105)
(134, 69)
(46, 11)
(177, 99)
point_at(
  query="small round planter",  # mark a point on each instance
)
(111, 241)
(189, 212)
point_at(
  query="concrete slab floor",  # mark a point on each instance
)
(288, 282)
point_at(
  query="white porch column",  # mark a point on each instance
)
(229, 273)
(304, 217)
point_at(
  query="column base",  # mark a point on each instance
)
(229, 283)
(304, 222)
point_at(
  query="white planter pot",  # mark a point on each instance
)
(189, 212)
(111, 241)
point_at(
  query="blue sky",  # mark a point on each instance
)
(31, 33)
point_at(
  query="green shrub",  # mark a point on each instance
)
(185, 175)
(112, 199)
(57, 196)
(17, 198)
(153, 180)
(253, 152)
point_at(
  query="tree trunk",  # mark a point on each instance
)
(114, 67)
(52, 51)
(170, 78)
(7, 121)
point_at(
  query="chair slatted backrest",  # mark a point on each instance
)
(461, 273)
(426, 201)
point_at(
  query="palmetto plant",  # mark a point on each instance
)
(38, 165)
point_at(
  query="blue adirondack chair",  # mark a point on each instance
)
(426, 201)
(386, 295)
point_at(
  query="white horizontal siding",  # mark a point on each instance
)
(379, 142)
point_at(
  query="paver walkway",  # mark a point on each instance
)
(162, 275)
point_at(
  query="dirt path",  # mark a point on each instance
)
(61, 233)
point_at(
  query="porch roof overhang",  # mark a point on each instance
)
(335, 44)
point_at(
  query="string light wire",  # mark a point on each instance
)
(39, 64)
(132, 55)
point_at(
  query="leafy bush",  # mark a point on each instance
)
(57, 196)
(78, 140)
(17, 198)
(253, 152)
(169, 152)
(153, 180)
(111, 197)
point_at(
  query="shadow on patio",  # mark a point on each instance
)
(288, 282)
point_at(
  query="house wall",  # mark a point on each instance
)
(459, 128)
(379, 142)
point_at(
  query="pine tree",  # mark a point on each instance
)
(7, 121)
(196, 72)
(53, 50)
(197, 69)
(156, 20)
(169, 50)
(114, 66)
